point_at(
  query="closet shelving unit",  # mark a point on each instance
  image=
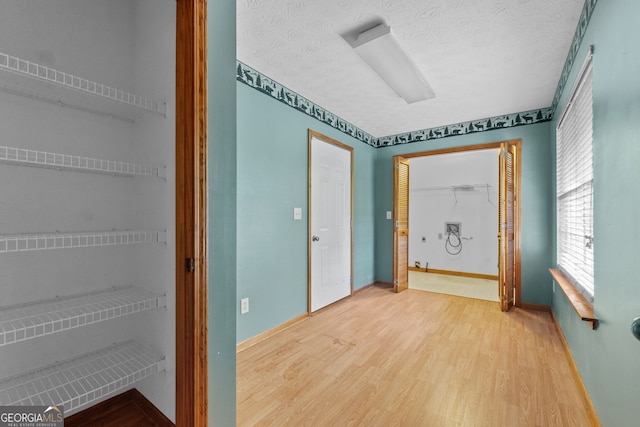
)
(46, 84)
(48, 241)
(86, 378)
(81, 380)
(37, 319)
(44, 159)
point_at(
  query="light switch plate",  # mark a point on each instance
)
(297, 213)
(388, 214)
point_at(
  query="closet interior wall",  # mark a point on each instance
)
(116, 227)
(434, 201)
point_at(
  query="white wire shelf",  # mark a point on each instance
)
(44, 159)
(27, 321)
(46, 84)
(49, 241)
(77, 382)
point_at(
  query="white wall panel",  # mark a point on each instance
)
(434, 202)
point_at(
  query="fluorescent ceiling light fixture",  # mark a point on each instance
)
(380, 49)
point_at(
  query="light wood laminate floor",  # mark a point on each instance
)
(410, 359)
(454, 285)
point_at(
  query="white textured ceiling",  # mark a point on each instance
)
(483, 58)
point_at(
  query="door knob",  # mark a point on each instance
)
(315, 238)
(635, 327)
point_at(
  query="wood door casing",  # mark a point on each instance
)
(400, 224)
(330, 221)
(311, 134)
(516, 149)
(191, 214)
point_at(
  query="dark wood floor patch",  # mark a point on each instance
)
(129, 409)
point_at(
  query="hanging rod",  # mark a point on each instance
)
(459, 187)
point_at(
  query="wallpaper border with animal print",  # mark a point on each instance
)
(491, 123)
(583, 23)
(264, 84)
(268, 86)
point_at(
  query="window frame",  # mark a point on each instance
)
(577, 268)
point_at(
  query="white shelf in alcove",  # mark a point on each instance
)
(44, 159)
(46, 84)
(82, 380)
(49, 241)
(36, 319)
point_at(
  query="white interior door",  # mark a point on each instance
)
(330, 246)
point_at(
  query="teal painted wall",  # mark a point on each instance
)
(535, 197)
(272, 180)
(222, 212)
(609, 357)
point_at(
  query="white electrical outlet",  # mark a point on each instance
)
(244, 305)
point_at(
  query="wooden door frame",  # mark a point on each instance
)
(317, 135)
(517, 192)
(191, 213)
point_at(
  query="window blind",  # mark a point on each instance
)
(574, 179)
